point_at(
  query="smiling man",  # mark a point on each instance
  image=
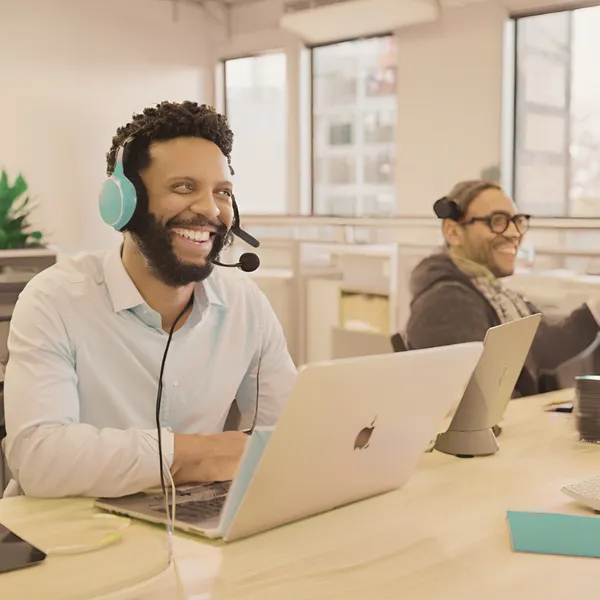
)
(459, 294)
(88, 335)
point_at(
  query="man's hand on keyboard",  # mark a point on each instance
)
(201, 458)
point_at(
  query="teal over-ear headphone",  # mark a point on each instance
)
(118, 198)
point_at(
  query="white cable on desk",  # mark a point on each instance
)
(170, 514)
(181, 595)
(121, 524)
(123, 592)
(171, 563)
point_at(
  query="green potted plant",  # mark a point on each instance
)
(15, 208)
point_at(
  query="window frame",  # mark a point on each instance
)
(516, 130)
(311, 48)
(223, 68)
(222, 65)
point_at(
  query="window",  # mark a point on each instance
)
(340, 134)
(354, 127)
(380, 127)
(557, 141)
(379, 168)
(255, 104)
(341, 170)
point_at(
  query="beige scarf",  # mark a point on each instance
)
(509, 305)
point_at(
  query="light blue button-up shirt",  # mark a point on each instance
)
(81, 382)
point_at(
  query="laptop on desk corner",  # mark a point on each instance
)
(351, 429)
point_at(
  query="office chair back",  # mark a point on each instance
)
(349, 343)
(398, 343)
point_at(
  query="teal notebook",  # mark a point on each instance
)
(552, 533)
(254, 451)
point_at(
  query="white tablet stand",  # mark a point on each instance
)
(470, 432)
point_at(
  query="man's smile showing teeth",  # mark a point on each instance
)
(193, 235)
(507, 249)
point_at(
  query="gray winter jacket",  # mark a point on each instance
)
(447, 309)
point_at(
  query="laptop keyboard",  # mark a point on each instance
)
(206, 490)
(197, 510)
(194, 511)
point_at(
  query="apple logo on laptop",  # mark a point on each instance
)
(364, 436)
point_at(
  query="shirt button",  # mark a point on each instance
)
(175, 383)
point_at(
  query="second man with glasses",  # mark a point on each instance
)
(459, 293)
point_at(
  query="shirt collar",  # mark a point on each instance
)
(121, 289)
(124, 295)
(212, 289)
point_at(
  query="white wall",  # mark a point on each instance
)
(449, 103)
(78, 69)
(254, 28)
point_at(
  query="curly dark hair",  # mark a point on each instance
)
(166, 121)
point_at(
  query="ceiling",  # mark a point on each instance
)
(524, 5)
(517, 6)
(221, 2)
(538, 5)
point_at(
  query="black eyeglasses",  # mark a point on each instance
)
(498, 222)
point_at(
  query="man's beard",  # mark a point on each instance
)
(156, 245)
(483, 254)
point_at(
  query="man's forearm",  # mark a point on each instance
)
(55, 461)
(556, 342)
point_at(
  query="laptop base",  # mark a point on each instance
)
(467, 444)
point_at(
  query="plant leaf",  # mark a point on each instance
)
(3, 240)
(15, 208)
(9, 194)
(17, 224)
(19, 187)
(20, 207)
(16, 240)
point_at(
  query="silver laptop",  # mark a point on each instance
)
(491, 387)
(351, 429)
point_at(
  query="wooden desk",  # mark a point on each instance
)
(443, 536)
